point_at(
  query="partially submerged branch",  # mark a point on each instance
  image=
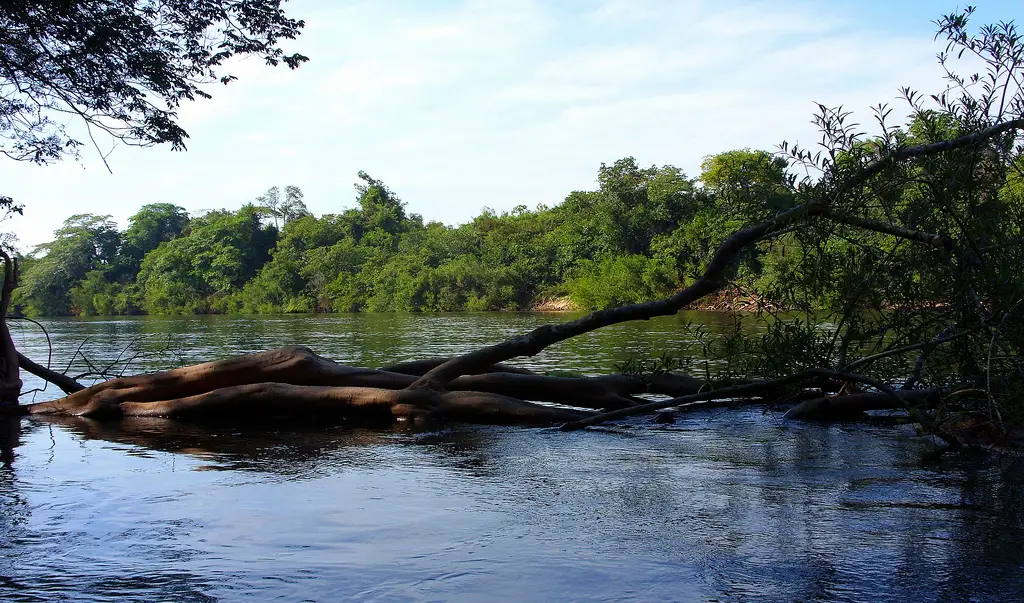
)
(67, 384)
(714, 275)
(744, 391)
(540, 338)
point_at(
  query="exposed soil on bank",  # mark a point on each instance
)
(722, 301)
(556, 304)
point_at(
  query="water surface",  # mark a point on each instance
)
(725, 505)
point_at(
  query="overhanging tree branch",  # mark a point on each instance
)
(712, 279)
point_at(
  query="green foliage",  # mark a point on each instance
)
(85, 243)
(898, 254)
(616, 281)
(123, 67)
(214, 258)
(748, 184)
(640, 236)
(664, 363)
(153, 224)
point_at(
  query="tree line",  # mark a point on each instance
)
(643, 233)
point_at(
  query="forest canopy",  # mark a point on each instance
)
(642, 234)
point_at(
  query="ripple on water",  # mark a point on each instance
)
(722, 506)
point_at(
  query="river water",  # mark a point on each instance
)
(725, 505)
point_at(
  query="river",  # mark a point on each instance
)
(724, 505)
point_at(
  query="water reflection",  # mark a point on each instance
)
(294, 450)
(698, 511)
(722, 506)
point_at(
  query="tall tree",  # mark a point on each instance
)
(270, 202)
(84, 243)
(151, 225)
(293, 206)
(381, 208)
(193, 273)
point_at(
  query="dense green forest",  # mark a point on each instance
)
(642, 234)
(638, 237)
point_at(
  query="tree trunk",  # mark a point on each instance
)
(10, 378)
(296, 383)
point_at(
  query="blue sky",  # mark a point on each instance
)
(461, 105)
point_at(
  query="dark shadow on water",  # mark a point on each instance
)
(10, 437)
(295, 449)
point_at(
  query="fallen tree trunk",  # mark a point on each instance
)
(833, 407)
(294, 382)
(281, 400)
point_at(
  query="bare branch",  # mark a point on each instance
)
(861, 362)
(66, 383)
(738, 391)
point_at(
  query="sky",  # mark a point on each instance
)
(461, 105)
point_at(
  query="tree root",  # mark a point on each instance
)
(294, 382)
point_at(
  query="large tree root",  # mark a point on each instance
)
(294, 383)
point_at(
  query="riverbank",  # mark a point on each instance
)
(732, 300)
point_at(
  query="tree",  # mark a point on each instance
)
(905, 251)
(151, 225)
(293, 206)
(122, 69)
(283, 210)
(270, 202)
(85, 242)
(748, 184)
(381, 209)
(10, 378)
(203, 268)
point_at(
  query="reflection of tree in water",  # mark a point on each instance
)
(13, 508)
(808, 513)
(987, 556)
(467, 449)
(10, 434)
(812, 513)
(296, 451)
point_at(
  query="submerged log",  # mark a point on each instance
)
(830, 408)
